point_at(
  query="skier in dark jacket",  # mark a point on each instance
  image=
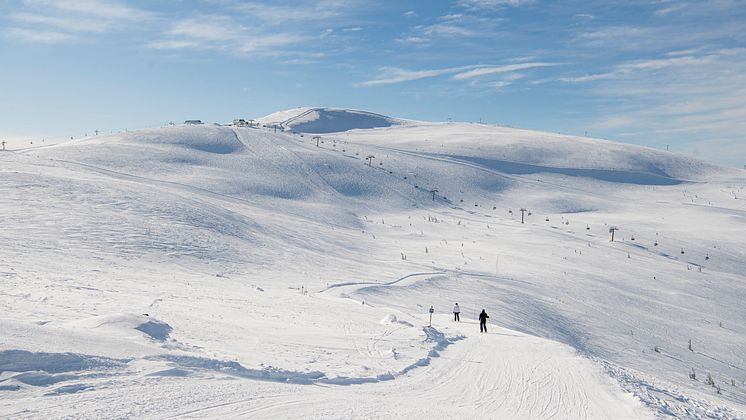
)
(483, 321)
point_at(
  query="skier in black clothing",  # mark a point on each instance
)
(483, 321)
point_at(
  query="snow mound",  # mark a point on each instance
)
(391, 319)
(327, 120)
(124, 323)
(15, 360)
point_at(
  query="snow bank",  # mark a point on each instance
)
(51, 363)
(124, 323)
(391, 319)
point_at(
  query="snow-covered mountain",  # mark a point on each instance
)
(230, 269)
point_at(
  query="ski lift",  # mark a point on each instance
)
(633, 238)
(510, 211)
(547, 219)
(587, 227)
(476, 205)
(682, 251)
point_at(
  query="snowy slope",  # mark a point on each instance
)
(279, 276)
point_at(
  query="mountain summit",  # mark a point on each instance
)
(327, 120)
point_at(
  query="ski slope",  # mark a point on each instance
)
(210, 271)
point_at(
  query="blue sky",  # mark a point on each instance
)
(655, 72)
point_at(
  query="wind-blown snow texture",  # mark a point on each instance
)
(208, 271)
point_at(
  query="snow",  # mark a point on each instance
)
(327, 120)
(125, 323)
(207, 271)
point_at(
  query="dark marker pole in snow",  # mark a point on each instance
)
(431, 310)
(317, 138)
(612, 230)
(3, 143)
(522, 212)
(433, 191)
(370, 160)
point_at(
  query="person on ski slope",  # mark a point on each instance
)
(456, 311)
(483, 321)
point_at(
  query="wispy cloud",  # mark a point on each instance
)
(41, 37)
(98, 8)
(696, 96)
(62, 21)
(451, 26)
(630, 68)
(490, 70)
(309, 11)
(619, 36)
(65, 23)
(492, 4)
(392, 75)
(222, 33)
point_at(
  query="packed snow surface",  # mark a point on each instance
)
(211, 271)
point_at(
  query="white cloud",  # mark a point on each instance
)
(413, 40)
(206, 28)
(172, 45)
(490, 70)
(451, 26)
(71, 24)
(316, 10)
(492, 4)
(585, 16)
(41, 37)
(698, 97)
(57, 21)
(391, 75)
(630, 68)
(98, 8)
(622, 37)
(445, 29)
(222, 33)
